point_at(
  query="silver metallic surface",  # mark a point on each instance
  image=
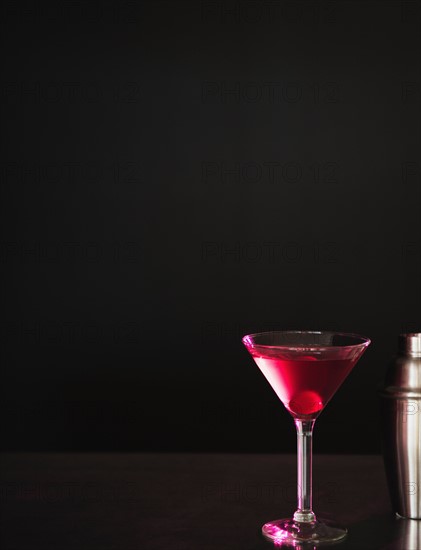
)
(401, 427)
(410, 344)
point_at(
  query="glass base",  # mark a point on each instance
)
(289, 532)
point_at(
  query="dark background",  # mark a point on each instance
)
(177, 174)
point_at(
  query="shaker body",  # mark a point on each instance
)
(402, 454)
(401, 428)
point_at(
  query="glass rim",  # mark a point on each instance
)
(364, 341)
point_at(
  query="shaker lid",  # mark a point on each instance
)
(410, 343)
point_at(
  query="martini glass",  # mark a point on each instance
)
(305, 369)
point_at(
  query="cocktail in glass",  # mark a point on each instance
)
(305, 368)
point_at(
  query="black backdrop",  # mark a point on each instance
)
(176, 174)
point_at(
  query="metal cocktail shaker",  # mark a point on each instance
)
(401, 427)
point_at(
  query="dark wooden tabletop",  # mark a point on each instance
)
(125, 501)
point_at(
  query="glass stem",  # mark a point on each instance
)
(304, 512)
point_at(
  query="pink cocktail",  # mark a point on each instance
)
(305, 384)
(305, 369)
